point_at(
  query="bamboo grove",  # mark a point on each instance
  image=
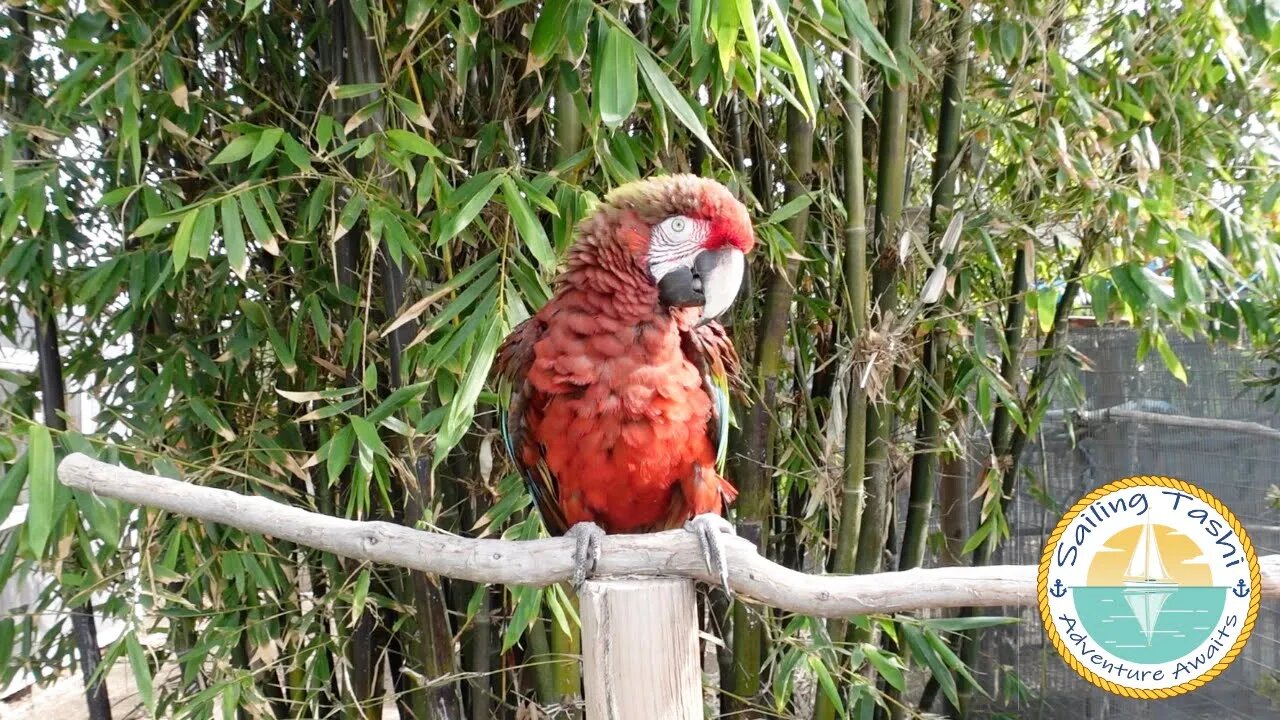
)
(279, 244)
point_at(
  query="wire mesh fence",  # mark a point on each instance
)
(1067, 462)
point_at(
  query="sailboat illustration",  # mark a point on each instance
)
(1147, 584)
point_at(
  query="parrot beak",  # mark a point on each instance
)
(711, 283)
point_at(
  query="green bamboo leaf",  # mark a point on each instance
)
(233, 236)
(1186, 281)
(237, 149)
(460, 303)
(1100, 299)
(979, 536)
(548, 33)
(727, 27)
(1010, 36)
(397, 400)
(971, 623)
(561, 607)
(202, 232)
(120, 194)
(102, 515)
(8, 168)
(8, 629)
(1169, 357)
(40, 488)
(182, 239)
(747, 19)
(11, 485)
(266, 146)
(575, 34)
(296, 152)
(367, 434)
(528, 226)
(616, 86)
(269, 204)
(827, 683)
(359, 595)
(415, 13)
(889, 667)
(350, 216)
(924, 652)
(1153, 288)
(784, 679)
(526, 603)
(360, 117)
(141, 671)
(462, 217)
(258, 223)
(789, 210)
(463, 406)
(7, 557)
(339, 453)
(953, 661)
(699, 16)
(355, 90)
(1046, 305)
(414, 143)
(481, 316)
(660, 88)
(862, 28)
(151, 225)
(793, 56)
(1130, 292)
(211, 418)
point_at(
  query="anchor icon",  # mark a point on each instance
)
(1240, 590)
(1058, 589)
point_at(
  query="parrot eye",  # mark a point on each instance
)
(677, 230)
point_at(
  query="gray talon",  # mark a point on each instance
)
(586, 551)
(710, 528)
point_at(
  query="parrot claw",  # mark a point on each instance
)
(586, 551)
(709, 529)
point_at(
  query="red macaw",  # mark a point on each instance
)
(619, 385)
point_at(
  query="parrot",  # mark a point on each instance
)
(618, 414)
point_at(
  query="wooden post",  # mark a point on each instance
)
(640, 649)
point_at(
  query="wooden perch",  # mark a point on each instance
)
(548, 561)
(1123, 414)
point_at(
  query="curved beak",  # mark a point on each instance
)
(712, 282)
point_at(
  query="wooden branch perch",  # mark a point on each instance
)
(548, 561)
(1242, 427)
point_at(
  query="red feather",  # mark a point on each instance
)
(610, 417)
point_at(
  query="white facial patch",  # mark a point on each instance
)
(673, 243)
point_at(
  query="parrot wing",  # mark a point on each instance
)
(709, 348)
(512, 364)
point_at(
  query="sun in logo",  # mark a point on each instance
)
(1149, 587)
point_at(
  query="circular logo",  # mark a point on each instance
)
(1149, 587)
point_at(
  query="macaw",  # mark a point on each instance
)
(619, 409)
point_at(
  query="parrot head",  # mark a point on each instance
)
(688, 236)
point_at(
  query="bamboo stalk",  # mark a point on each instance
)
(855, 287)
(755, 497)
(49, 359)
(855, 298)
(564, 648)
(924, 471)
(890, 188)
(84, 627)
(1014, 441)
